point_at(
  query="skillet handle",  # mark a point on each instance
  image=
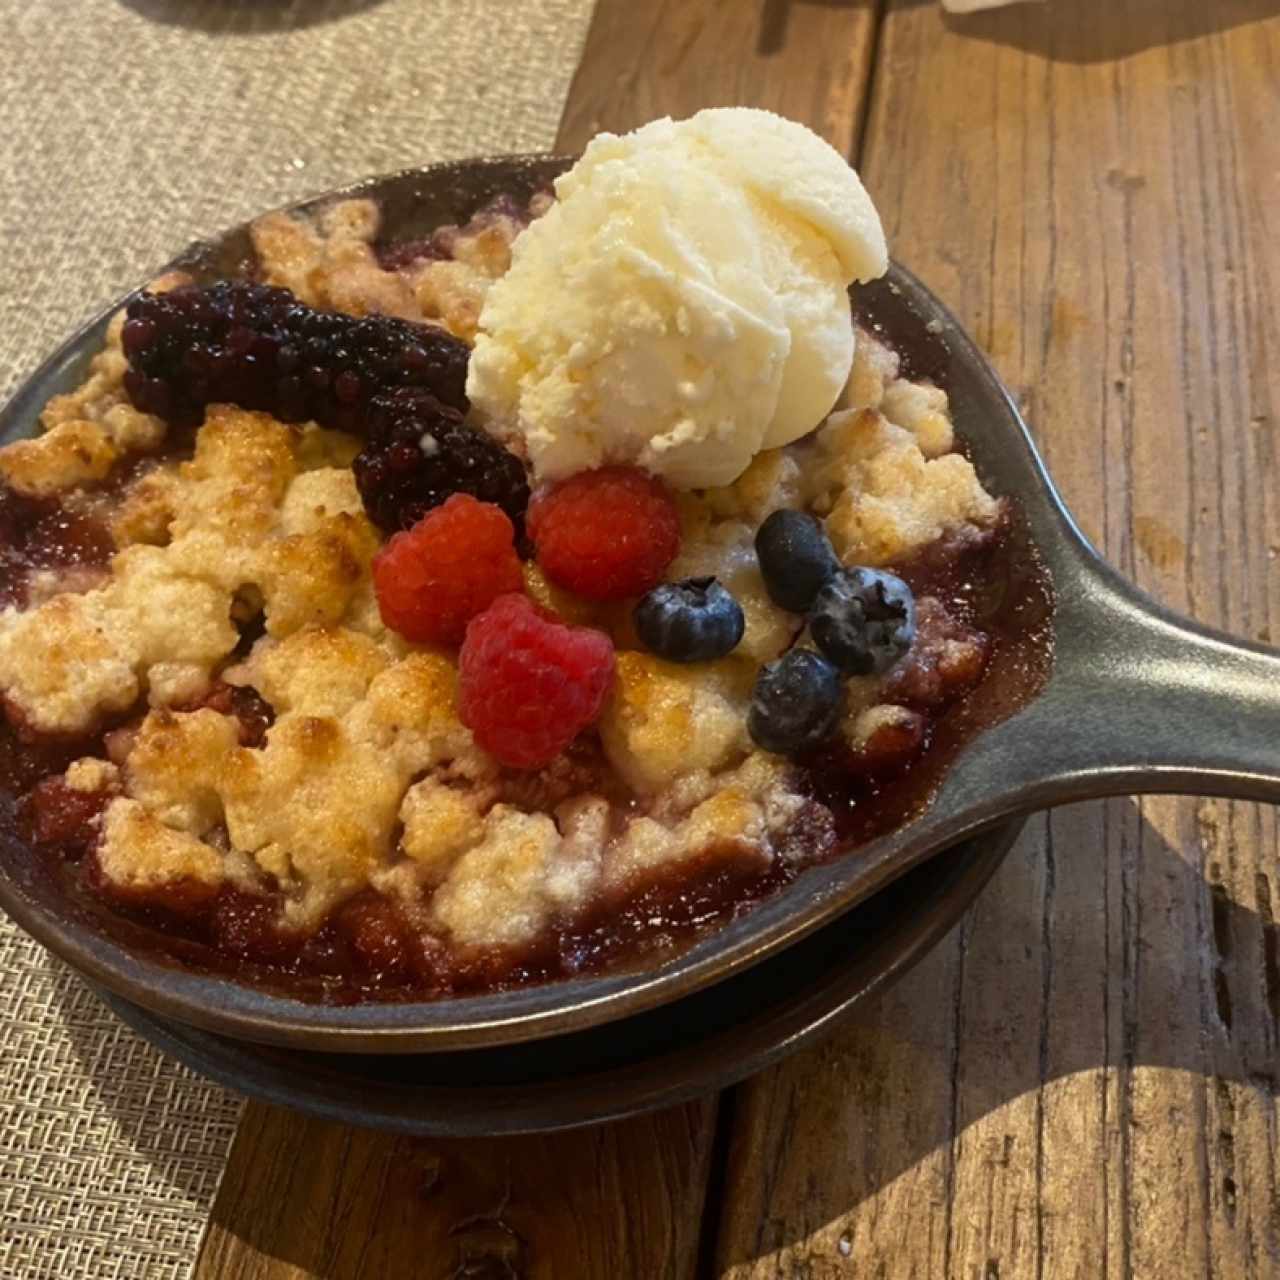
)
(1140, 700)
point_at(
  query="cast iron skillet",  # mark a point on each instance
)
(1137, 700)
(691, 1047)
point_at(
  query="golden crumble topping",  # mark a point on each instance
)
(138, 851)
(244, 572)
(330, 261)
(883, 498)
(885, 476)
(664, 719)
(522, 874)
(84, 433)
(78, 657)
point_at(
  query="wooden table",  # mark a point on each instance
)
(1081, 1080)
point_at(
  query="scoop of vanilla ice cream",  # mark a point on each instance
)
(683, 304)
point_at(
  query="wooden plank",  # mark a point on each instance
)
(303, 1198)
(806, 59)
(1080, 1082)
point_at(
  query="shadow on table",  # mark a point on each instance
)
(1233, 1039)
(884, 1083)
(1103, 30)
(179, 1124)
(247, 17)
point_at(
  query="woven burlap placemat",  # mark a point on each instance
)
(130, 128)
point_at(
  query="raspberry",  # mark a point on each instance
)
(260, 348)
(605, 534)
(433, 579)
(420, 451)
(528, 684)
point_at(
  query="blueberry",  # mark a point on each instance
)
(796, 702)
(690, 621)
(864, 620)
(795, 558)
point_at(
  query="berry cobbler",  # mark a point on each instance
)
(409, 618)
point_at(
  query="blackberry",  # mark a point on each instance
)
(863, 620)
(260, 348)
(691, 621)
(420, 451)
(796, 558)
(796, 703)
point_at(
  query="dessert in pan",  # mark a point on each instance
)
(405, 619)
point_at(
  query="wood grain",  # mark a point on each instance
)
(807, 59)
(1081, 1081)
(303, 1198)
